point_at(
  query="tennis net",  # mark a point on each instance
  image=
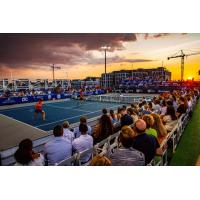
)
(118, 98)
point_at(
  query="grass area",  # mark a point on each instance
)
(188, 148)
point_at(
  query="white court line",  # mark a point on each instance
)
(18, 108)
(70, 108)
(32, 106)
(73, 117)
(35, 127)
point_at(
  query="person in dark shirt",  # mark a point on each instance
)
(182, 108)
(125, 119)
(147, 144)
(126, 155)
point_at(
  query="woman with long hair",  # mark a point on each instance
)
(150, 122)
(158, 125)
(25, 156)
(170, 118)
(183, 106)
(133, 114)
(103, 129)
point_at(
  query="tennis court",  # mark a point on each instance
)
(57, 112)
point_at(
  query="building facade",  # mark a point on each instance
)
(89, 82)
(114, 78)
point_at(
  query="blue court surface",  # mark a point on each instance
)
(57, 112)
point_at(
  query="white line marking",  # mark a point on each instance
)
(32, 106)
(18, 108)
(73, 117)
(69, 108)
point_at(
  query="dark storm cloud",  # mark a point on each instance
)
(155, 35)
(26, 50)
(159, 35)
(118, 59)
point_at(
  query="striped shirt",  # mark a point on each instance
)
(127, 157)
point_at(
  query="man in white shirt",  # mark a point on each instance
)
(156, 106)
(58, 148)
(69, 135)
(83, 143)
(77, 132)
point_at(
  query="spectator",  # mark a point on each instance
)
(156, 106)
(170, 119)
(124, 107)
(119, 110)
(83, 143)
(145, 110)
(125, 118)
(69, 135)
(113, 117)
(100, 161)
(134, 106)
(158, 125)
(150, 122)
(150, 106)
(77, 133)
(174, 102)
(103, 129)
(58, 148)
(147, 144)
(189, 99)
(25, 156)
(134, 116)
(182, 108)
(104, 111)
(163, 107)
(126, 155)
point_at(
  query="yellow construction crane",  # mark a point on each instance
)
(182, 55)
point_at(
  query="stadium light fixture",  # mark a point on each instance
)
(105, 48)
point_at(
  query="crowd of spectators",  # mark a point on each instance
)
(57, 90)
(148, 81)
(142, 127)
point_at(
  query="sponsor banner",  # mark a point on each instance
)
(29, 99)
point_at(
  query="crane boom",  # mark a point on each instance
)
(179, 56)
(182, 56)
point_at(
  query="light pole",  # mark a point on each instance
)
(53, 70)
(105, 48)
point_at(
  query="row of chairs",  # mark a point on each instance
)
(102, 148)
(106, 146)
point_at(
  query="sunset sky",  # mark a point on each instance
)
(78, 55)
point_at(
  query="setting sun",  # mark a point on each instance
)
(189, 78)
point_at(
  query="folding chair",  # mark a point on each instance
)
(82, 154)
(69, 161)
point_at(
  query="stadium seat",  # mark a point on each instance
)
(69, 161)
(82, 154)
